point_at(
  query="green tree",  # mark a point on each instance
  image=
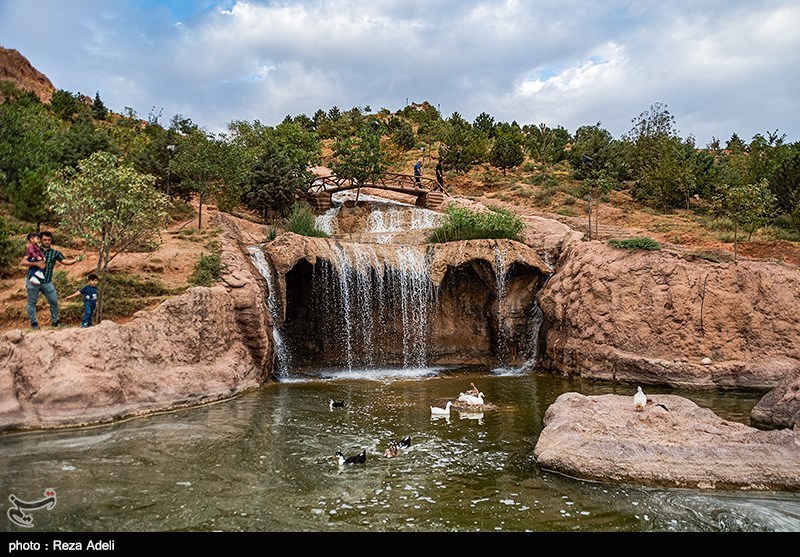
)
(29, 135)
(210, 166)
(747, 205)
(785, 182)
(110, 205)
(275, 184)
(484, 123)
(65, 104)
(28, 197)
(359, 159)
(99, 110)
(506, 152)
(403, 135)
(461, 145)
(649, 138)
(545, 144)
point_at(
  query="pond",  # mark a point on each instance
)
(264, 462)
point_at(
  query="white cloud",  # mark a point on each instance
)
(720, 65)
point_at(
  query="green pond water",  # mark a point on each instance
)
(264, 462)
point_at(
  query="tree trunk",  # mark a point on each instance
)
(200, 213)
(589, 209)
(735, 240)
(106, 252)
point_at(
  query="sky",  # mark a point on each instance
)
(719, 66)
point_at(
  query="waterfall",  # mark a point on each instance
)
(534, 325)
(374, 306)
(282, 356)
(325, 221)
(501, 270)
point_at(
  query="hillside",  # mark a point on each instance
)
(14, 67)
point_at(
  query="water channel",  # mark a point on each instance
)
(263, 462)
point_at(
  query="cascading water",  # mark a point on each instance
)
(377, 310)
(282, 355)
(501, 270)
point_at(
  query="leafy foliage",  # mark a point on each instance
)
(642, 243)
(301, 220)
(110, 205)
(275, 183)
(464, 224)
(506, 152)
(208, 268)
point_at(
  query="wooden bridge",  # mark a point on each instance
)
(427, 191)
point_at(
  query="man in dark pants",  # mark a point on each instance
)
(439, 176)
(51, 257)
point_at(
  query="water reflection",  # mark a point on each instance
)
(264, 462)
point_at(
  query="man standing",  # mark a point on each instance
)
(418, 173)
(51, 257)
(439, 176)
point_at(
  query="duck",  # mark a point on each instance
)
(392, 451)
(404, 443)
(639, 399)
(438, 411)
(360, 458)
(335, 404)
(471, 399)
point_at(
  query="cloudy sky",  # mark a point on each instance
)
(720, 66)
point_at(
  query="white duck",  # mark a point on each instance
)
(438, 411)
(639, 399)
(471, 399)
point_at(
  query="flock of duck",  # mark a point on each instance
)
(472, 397)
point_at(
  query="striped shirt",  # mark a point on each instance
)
(50, 257)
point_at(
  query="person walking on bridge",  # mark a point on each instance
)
(439, 176)
(418, 173)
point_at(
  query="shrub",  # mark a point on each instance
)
(208, 268)
(464, 224)
(301, 220)
(635, 243)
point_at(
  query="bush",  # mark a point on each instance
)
(208, 269)
(635, 243)
(463, 224)
(301, 220)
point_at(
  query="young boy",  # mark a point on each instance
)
(89, 293)
(33, 254)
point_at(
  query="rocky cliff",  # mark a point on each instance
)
(659, 317)
(206, 344)
(14, 67)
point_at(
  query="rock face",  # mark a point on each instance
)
(672, 443)
(654, 318)
(456, 303)
(14, 67)
(780, 407)
(206, 344)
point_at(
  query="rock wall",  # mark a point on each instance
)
(467, 320)
(656, 317)
(204, 345)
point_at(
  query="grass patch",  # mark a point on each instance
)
(635, 243)
(208, 268)
(301, 220)
(464, 224)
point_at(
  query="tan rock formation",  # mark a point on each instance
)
(653, 316)
(207, 344)
(14, 67)
(672, 443)
(780, 407)
(471, 323)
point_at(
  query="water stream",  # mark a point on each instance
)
(264, 461)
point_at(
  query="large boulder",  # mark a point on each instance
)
(779, 408)
(671, 443)
(659, 317)
(204, 345)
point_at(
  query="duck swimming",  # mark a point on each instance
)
(335, 404)
(438, 411)
(471, 399)
(360, 458)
